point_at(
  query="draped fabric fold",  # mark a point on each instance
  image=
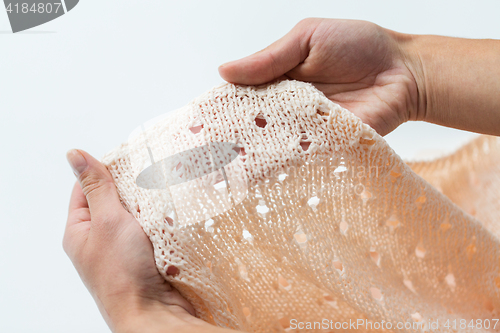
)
(314, 218)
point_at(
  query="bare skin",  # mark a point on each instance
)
(384, 77)
(114, 258)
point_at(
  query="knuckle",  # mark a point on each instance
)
(78, 214)
(92, 185)
(306, 22)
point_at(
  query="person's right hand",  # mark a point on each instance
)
(385, 77)
(356, 64)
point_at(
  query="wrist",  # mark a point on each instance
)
(153, 319)
(410, 48)
(132, 313)
(457, 80)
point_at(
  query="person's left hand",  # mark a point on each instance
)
(114, 258)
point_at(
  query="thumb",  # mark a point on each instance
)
(272, 62)
(96, 183)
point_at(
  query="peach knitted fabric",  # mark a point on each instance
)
(320, 218)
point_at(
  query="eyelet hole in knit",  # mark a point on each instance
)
(247, 235)
(209, 225)
(375, 257)
(209, 266)
(305, 145)
(420, 201)
(246, 312)
(488, 305)
(330, 301)
(420, 251)
(392, 222)
(304, 142)
(445, 226)
(409, 285)
(416, 316)
(284, 282)
(365, 195)
(284, 322)
(300, 237)
(450, 281)
(178, 170)
(243, 271)
(173, 271)
(196, 129)
(262, 208)
(313, 202)
(323, 115)
(368, 142)
(260, 121)
(337, 264)
(220, 185)
(343, 227)
(376, 293)
(240, 151)
(341, 168)
(169, 220)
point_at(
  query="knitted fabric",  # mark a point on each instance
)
(329, 223)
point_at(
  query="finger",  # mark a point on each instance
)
(274, 61)
(77, 225)
(78, 199)
(97, 185)
(78, 206)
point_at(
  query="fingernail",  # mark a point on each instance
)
(77, 161)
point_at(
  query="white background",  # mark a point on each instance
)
(87, 79)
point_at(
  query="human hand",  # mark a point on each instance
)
(114, 258)
(356, 64)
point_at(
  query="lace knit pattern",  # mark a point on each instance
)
(332, 224)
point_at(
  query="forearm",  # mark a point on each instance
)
(458, 80)
(161, 323)
(146, 316)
